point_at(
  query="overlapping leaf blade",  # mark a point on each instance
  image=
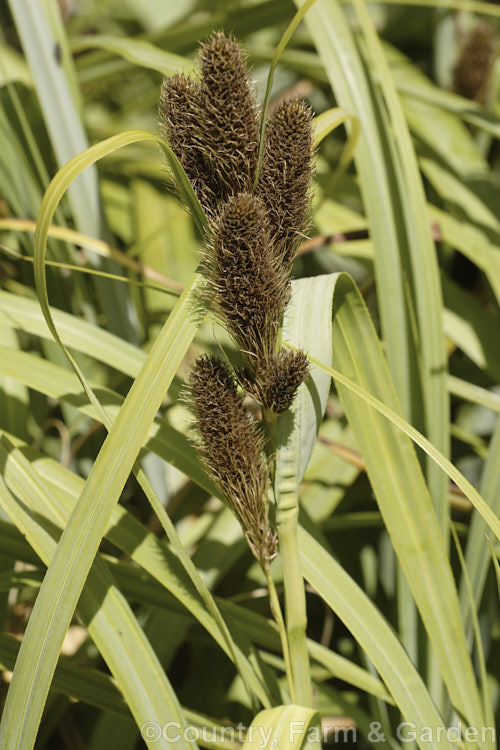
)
(399, 487)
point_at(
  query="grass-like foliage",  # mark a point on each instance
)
(249, 372)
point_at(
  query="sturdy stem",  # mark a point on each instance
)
(295, 598)
(293, 636)
(278, 616)
(270, 424)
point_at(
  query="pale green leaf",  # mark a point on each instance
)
(399, 487)
(284, 727)
(373, 633)
(104, 609)
(78, 545)
(136, 51)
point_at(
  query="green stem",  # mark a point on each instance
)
(287, 518)
(270, 426)
(287, 515)
(278, 616)
(299, 15)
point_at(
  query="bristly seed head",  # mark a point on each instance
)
(277, 379)
(231, 448)
(180, 122)
(472, 71)
(212, 123)
(286, 176)
(249, 287)
(229, 117)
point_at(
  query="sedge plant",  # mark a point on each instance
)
(258, 202)
(179, 620)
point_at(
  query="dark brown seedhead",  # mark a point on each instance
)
(212, 123)
(286, 176)
(248, 287)
(229, 117)
(180, 122)
(231, 447)
(276, 381)
(473, 68)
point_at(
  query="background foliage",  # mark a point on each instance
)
(170, 621)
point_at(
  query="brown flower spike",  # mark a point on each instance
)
(285, 179)
(248, 287)
(232, 448)
(473, 68)
(228, 117)
(276, 381)
(212, 124)
(180, 122)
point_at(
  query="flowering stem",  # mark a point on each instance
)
(278, 617)
(287, 513)
(293, 636)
